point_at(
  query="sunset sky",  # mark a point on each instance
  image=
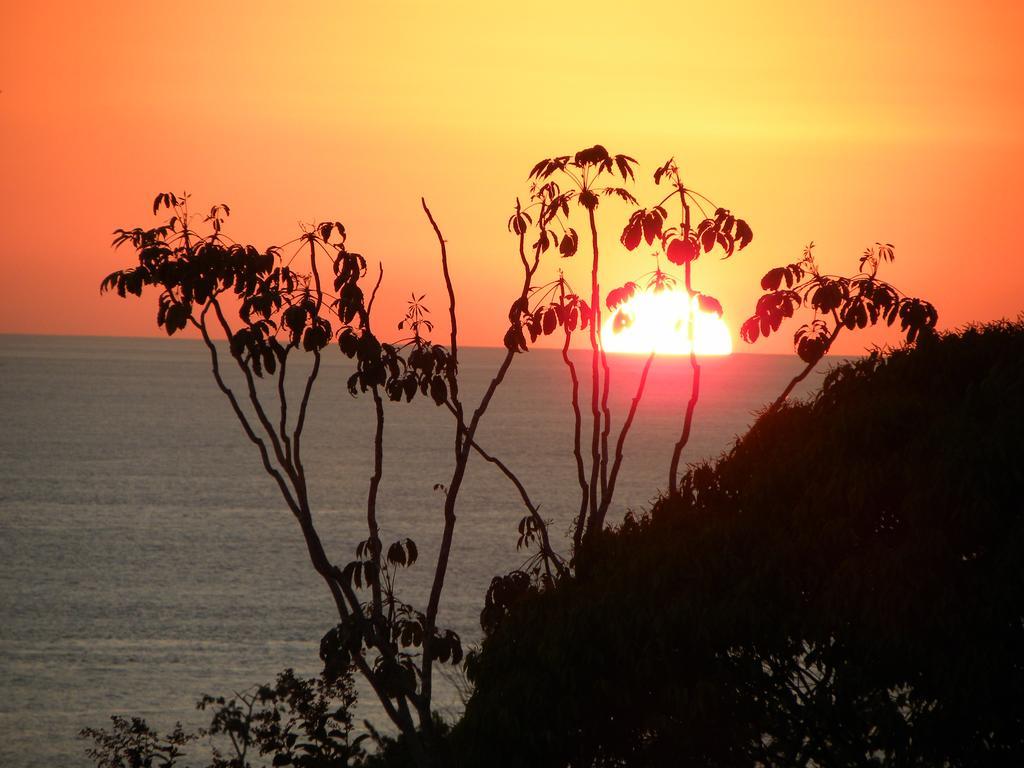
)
(842, 123)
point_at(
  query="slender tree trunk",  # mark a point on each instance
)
(804, 373)
(620, 443)
(291, 482)
(581, 474)
(595, 380)
(371, 499)
(691, 405)
(606, 415)
(451, 495)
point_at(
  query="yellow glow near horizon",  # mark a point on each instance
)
(658, 321)
(813, 121)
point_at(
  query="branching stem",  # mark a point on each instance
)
(803, 374)
(691, 405)
(620, 443)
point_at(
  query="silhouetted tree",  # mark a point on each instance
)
(267, 311)
(586, 178)
(837, 303)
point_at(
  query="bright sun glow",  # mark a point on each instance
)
(658, 321)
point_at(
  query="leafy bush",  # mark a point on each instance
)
(131, 743)
(306, 723)
(842, 588)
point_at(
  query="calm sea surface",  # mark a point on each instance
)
(146, 559)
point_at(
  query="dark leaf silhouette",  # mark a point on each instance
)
(709, 304)
(569, 243)
(839, 303)
(682, 250)
(618, 296)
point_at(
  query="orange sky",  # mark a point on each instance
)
(842, 123)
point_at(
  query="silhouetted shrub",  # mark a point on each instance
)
(844, 587)
(306, 723)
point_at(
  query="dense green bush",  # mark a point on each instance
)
(844, 587)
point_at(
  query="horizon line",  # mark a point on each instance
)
(156, 337)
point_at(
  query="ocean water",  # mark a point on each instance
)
(146, 559)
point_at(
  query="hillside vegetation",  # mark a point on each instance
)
(844, 587)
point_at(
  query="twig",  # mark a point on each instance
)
(532, 508)
(373, 295)
(453, 380)
(253, 396)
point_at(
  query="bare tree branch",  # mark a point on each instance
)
(373, 295)
(283, 400)
(271, 470)
(581, 476)
(595, 381)
(444, 551)
(371, 497)
(453, 384)
(254, 399)
(803, 374)
(691, 405)
(620, 443)
(546, 548)
(300, 423)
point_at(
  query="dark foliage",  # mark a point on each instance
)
(837, 302)
(305, 723)
(131, 743)
(263, 310)
(842, 588)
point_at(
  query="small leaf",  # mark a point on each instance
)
(396, 554)
(709, 304)
(569, 243)
(708, 239)
(550, 322)
(682, 250)
(773, 279)
(744, 234)
(652, 225)
(438, 390)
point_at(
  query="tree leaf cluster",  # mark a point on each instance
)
(555, 306)
(682, 245)
(838, 302)
(395, 631)
(280, 308)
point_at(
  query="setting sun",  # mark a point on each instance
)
(658, 321)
